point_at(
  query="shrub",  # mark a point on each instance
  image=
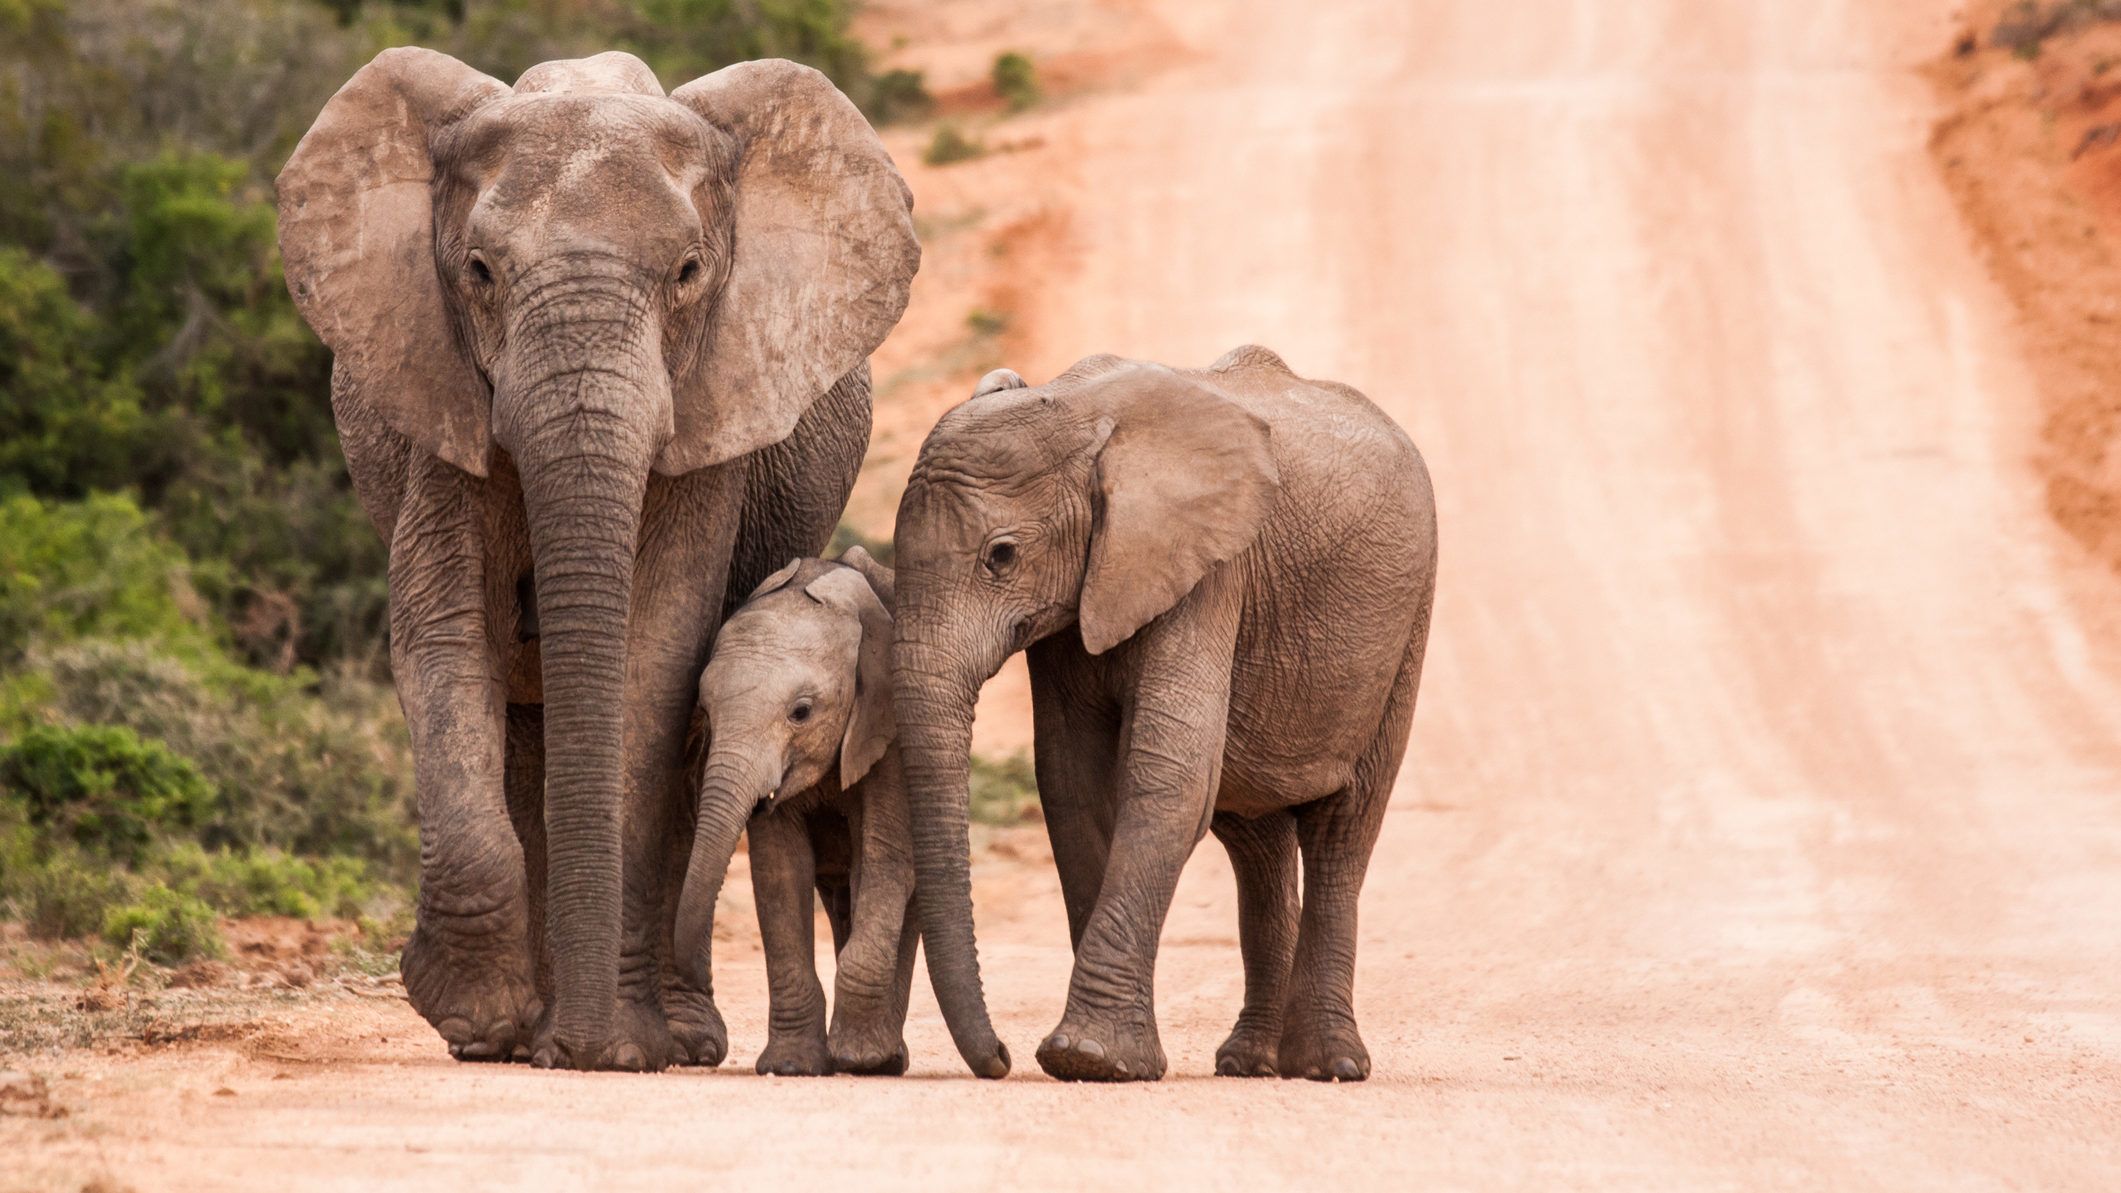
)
(898, 95)
(103, 788)
(949, 145)
(323, 772)
(1015, 80)
(167, 926)
(91, 568)
(267, 881)
(983, 322)
(66, 894)
(1004, 790)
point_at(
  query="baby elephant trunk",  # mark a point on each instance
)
(730, 788)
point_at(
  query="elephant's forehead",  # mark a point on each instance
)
(551, 140)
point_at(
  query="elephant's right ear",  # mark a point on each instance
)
(357, 241)
(1184, 478)
(821, 263)
(881, 578)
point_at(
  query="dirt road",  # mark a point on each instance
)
(1762, 824)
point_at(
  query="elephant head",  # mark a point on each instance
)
(1095, 503)
(601, 280)
(798, 688)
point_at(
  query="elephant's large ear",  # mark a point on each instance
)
(871, 723)
(1184, 479)
(821, 260)
(357, 240)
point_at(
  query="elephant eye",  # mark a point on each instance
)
(1001, 556)
(480, 273)
(689, 271)
(800, 713)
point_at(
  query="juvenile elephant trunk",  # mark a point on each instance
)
(583, 435)
(730, 788)
(935, 740)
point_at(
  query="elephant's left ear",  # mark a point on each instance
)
(871, 723)
(822, 259)
(1185, 477)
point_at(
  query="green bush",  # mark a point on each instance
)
(1015, 80)
(949, 145)
(92, 568)
(167, 926)
(267, 881)
(898, 95)
(64, 893)
(320, 772)
(1004, 790)
(104, 789)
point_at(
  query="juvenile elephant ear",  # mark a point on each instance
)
(357, 240)
(821, 261)
(881, 578)
(871, 723)
(1184, 480)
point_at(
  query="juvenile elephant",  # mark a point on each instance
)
(1223, 578)
(798, 703)
(601, 365)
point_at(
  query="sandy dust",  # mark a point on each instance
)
(1759, 828)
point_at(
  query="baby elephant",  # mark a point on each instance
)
(1223, 579)
(799, 714)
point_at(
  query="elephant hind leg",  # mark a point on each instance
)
(1319, 1038)
(1263, 852)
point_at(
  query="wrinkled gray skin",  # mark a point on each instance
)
(1223, 577)
(798, 701)
(599, 366)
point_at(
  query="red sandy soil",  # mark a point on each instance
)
(1759, 828)
(2031, 149)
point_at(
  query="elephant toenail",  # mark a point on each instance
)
(1345, 1069)
(1228, 1067)
(1058, 1042)
(630, 1058)
(1119, 1069)
(1091, 1048)
(455, 1030)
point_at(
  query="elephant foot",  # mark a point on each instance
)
(867, 1051)
(482, 1006)
(1324, 1053)
(696, 1028)
(640, 1042)
(794, 1055)
(1251, 1051)
(1114, 1050)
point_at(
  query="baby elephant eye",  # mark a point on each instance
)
(800, 713)
(1001, 556)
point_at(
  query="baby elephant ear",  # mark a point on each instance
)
(775, 580)
(997, 381)
(881, 578)
(871, 724)
(1185, 477)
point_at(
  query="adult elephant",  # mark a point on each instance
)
(601, 365)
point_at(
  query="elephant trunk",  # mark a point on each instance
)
(731, 786)
(583, 433)
(934, 706)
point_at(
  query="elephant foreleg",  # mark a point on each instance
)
(467, 966)
(868, 998)
(1171, 745)
(688, 524)
(784, 884)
